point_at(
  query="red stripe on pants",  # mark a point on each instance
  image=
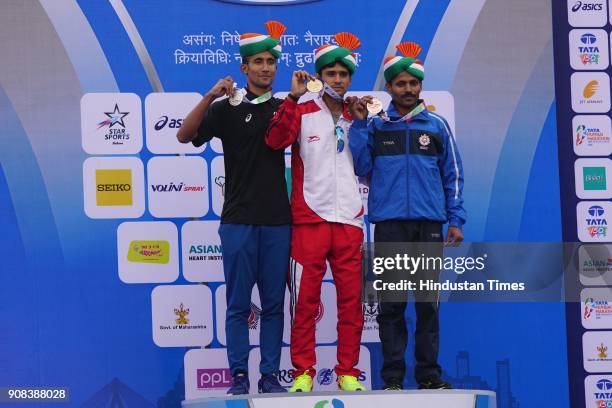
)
(311, 246)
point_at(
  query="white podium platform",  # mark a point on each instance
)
(368, 399)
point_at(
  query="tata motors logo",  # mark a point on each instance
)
(594, 178)
(213, 378)
(588, 52)
(587, 6)
(113, 187)
(149, 252)
(597, 226)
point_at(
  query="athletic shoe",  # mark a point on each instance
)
(393, 386)
(302, 383)
(435, 384)
(349, 383)
(240, 384)
(269, 384)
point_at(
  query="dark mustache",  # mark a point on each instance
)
(408, 95)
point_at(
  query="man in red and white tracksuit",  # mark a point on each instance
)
(326, 208)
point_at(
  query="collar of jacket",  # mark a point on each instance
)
(395, 115)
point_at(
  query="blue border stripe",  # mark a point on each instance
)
(424, 24)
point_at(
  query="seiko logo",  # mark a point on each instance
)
(114, 187)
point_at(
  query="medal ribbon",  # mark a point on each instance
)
(406, 118)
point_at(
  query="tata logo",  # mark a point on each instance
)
(604, 384)
(268, 2)
(596, 211)
(588, 38)
(165, 120)
(584, 6)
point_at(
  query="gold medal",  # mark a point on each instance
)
(314, 86)
(375, 107)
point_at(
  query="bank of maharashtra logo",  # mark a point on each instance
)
(601, 354)
(597, 226)
(334, 403)
(589, 51)
(603, 395)
(587, 6)
(594, 178)
(181, 312)
(114, 187)
(590, 136)
(149, 252)
(213, 378)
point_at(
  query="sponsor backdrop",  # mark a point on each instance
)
(111, 267)
(582, 67)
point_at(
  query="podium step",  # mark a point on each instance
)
(368, 399)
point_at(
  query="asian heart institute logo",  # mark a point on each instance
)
(149, 252)
(113, 187)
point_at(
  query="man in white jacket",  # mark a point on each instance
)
(326, 209)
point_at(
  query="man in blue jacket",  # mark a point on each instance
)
(416, 182)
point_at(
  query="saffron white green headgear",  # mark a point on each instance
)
(394, 65)
(251, 43)
(343, 52)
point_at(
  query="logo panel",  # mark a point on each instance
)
(590, 92)
(591, 135)
(593, 220)
(588, 49)
(113, 187)
(591, 177)
(178, 187)
(202, 252)
(164, 114)
(595, 265)
(147, 252)
(182, 315)
(207, 373)
(587, 13)
(111, 123)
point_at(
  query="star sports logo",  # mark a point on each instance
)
(114, 118)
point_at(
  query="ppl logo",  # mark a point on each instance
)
(588, 39)
(208, 378)
(586, 6)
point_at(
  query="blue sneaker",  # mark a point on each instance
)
(240, 384)
(269, 384)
